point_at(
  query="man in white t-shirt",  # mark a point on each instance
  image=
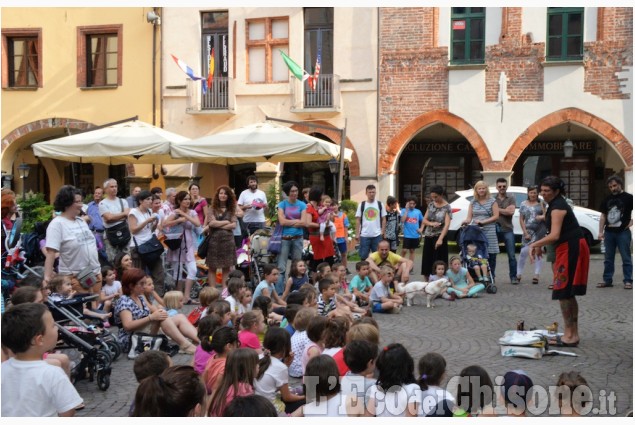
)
(253, 202)
(371, 223)
(113, 211)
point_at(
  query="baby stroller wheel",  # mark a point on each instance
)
(491, 289)
(114, 348)
(103, 380)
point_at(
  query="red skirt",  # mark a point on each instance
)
(321, 249)
(571, 269)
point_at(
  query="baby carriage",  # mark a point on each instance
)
(259, 255)
(473, 235)
(96, 346)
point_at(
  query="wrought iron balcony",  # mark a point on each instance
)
(326, 94)
(218, 98)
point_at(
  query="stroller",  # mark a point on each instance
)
(473, 234)
(259, 255)
(98, 348)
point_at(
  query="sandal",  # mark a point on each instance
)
(628, 286)
(188, 348)
(604, 285)
(535, 281)
(558, 342)
(550, 286)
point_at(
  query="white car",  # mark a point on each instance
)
(588, 219)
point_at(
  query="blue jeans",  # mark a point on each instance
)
(368, 245)
(621, 241)
(293, 246)
(510, 247)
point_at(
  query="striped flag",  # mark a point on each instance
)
(318, 64)
(189, 71)
(210, 75)
(295, 69)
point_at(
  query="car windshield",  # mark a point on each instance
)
(453, 197)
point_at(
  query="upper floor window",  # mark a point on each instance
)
(264, 38)
(468, 35)
(565, 26)
(22, 58)
(99, 56)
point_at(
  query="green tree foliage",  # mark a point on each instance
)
(34, 209)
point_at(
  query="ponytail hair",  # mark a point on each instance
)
(240, 368)
(220, 338)
(250, 318)
(206, 327)
(431, 370)
(277, 341)
(176, 392)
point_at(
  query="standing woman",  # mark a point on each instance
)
(572, 257)
(291, 216)
(69, 235)
(437, 222)
(197, 202)
(323, 250)
(484, 211)
(142, 223)
(532, 221)
(221, 222)
(188, 219)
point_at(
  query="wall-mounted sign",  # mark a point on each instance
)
(458, 25)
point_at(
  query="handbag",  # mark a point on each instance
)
(119, 234)
(203, 246)
(149, 251)
(87, 277)
(174, 244)
(275, 242)
(141, 341)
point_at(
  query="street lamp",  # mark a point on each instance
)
(568, 144)
(334, 166)
(23, 170)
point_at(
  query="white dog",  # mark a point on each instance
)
(411, 289)
(435, 288)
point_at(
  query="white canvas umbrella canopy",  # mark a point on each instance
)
(263, 142)
(133, 142)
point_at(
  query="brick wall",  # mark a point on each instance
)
(519, 58)
(610, 54)
(413, 70)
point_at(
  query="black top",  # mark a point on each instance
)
(570, 228)
(617, 209)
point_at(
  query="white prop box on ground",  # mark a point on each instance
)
(529, 344)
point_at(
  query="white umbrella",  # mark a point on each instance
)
(263, 142)
(132, 142)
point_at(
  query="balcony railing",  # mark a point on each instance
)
(325, 96)
(219, 97)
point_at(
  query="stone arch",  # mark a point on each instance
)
(605, 130)
(353, 166)
(388, 160)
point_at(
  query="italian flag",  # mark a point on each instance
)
(295, 69)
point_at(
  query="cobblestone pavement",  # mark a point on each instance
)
(466, 332)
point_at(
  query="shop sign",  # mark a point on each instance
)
(439, 147)
(549, 147)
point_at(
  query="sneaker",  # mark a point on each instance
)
(514, 281)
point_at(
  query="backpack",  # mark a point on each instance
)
(32, 251)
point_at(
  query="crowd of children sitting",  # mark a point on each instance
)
(311, 351)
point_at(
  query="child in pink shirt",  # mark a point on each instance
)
(252, 323)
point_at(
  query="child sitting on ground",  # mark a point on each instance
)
(149, 363)
(267, 286)
(252, 323)
(325, 212)
(570, 401)
(299, 339)
(246, 300)
(439, 267)
(62, 289)
(151, 295)
(207, 296)
(30, 386)
(477, 264)
(235, 287)
(431, 376)
(297, 277)
(361, 285)
(315, 346)
(111, 289)
(326, 300)
(221, 307)
(380, 297)
(238, 380)
(173, 302)
(206, 327)
(462, 283)
(222, 342)
(516, 393)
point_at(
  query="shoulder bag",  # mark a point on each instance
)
(275, 243)
(150, 251)
(119, 234)
(203, 246)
